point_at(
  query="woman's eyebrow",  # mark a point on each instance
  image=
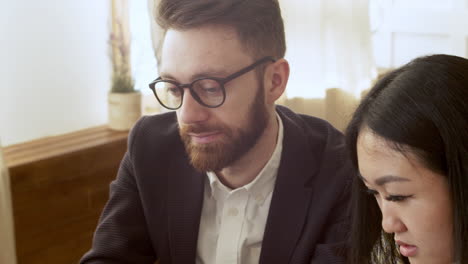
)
(362, 178)
(385, 179)
(388, 179)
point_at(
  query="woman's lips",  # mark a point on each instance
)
(204, 138)
(407, 250)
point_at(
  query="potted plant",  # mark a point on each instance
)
(124, 101)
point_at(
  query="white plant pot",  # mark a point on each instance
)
(124, 110)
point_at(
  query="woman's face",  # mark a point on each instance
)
(414, 201)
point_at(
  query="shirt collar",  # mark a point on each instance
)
(263, 184)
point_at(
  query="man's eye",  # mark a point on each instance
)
(211, 89)
(206, 87)
(397, 198)
(173, 91)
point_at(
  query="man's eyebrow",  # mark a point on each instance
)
(211, 73)
(166, 76)
(204, 74)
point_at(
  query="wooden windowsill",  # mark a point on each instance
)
(46, 148)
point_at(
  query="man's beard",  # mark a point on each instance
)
(232, 144)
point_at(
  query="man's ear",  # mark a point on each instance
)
(275, 80)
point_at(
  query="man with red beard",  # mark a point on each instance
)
(229, 177)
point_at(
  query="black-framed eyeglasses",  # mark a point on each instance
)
(207, 91)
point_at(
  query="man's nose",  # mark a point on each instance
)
(191, 111)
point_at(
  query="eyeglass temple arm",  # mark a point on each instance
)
(247, 69)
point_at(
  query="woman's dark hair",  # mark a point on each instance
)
(420, 108)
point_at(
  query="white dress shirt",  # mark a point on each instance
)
(233, 221)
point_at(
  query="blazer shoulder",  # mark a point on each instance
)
(152, 133)
(325, 144)
(317, 130)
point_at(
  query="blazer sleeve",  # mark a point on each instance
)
(121, 235)
(333, 247)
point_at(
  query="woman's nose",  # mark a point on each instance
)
(391, 221)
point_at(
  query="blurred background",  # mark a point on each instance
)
(57, 68)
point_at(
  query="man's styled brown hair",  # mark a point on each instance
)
(258, 23)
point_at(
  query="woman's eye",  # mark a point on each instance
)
(390, 198)
(372, 192)
(397, 198)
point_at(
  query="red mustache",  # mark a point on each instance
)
(185, 129)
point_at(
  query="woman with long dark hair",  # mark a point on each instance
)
(408, 140)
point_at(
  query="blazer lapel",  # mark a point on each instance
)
(291, 198)
(185, 199)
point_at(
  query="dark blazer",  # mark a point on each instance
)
(155, 202)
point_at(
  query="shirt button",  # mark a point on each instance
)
(233, 212)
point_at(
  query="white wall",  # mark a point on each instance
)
(328, 46)
(54, 67)
(143, 61)
(409, 29)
